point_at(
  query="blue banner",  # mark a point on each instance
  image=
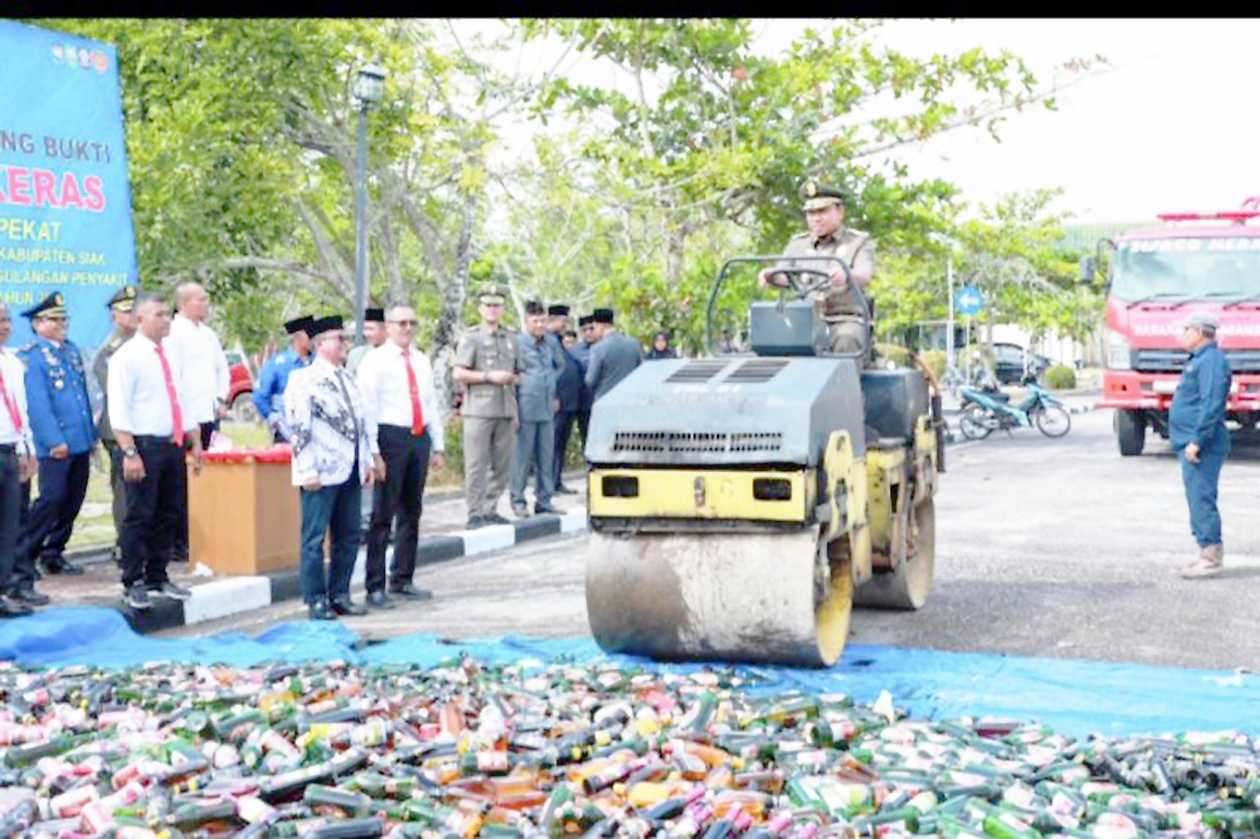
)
(65, 203)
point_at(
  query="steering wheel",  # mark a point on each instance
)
(802, 287)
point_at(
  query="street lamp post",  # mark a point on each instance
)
(368, 89)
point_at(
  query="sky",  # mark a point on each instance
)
(1168, 125)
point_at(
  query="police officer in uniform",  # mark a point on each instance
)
(122, 310)
(486, 364)
(61, 419)
(828, 236)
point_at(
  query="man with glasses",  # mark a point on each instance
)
(400, 403)
(17, 465)
(486, 364)
(61, 419)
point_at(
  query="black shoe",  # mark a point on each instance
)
(174, 592)
(520, 511)
(320, 612)
(547, 510)
(30, 596)
(344, 606)
(564, 490)
(476, 522)
(495, 518)
(409, 592)
(14, 609)
(137, 597)
(61, 565)
(379, 600)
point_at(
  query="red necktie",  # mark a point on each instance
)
(11, 404)
(177, 416)
(417, 413)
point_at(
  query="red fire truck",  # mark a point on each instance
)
(1159, 276)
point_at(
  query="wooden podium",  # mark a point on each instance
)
(243, 512)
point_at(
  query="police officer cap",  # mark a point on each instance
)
(325, 324)
(1201, 321)
(124, 300)
(603, 316)
(54, 305)
(818, 197)
(492, 293)
(373, 315)
(586, 320)
(558, 309)
(302, 324)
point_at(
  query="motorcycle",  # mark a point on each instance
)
(987, 409)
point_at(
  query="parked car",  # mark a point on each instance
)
(240, 389)
(1009, 361)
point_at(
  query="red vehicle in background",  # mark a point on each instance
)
(1159, 276)
(240, 388)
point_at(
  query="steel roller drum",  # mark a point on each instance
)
(728, 597)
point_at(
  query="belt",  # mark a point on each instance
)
(153, 439)
(403, 429)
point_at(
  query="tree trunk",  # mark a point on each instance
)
(453, 294)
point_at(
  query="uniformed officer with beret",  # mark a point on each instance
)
(61, 419)
(486, 364)
(122, 310)
(828, 236)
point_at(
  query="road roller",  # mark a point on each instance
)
(740, 505)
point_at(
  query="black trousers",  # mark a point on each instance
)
(153, 507)
(10, 514)
(584, 424)
(563, 429)
(398, 498)
(23, 573)
(179, 546)
(62, 487)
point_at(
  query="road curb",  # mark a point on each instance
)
(233, 595)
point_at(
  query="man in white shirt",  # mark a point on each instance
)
(194, 347)
(17, 465)
(396, 381)
(332, 461)
(373, 336)
(147, 395)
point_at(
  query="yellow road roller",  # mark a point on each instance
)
(741, 504)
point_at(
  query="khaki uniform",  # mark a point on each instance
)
(488, 412)
(841, 309)
(100, 367)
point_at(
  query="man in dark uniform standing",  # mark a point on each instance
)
(122, 310)
(582, 353)
(568, 391)
(613, 359)
(61, 419)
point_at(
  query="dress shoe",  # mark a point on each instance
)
(495, 518)
(475, 523)
(409, 592)
(564, 490)
(61, 565)
(547, 510)
(379, 600)
(345, 606)
(14, 609)
(520, 511)
(30, 596)
(320, 612)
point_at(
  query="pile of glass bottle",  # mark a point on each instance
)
(466, 749)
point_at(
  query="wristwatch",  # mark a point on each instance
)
(130, 451)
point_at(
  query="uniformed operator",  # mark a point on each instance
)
(828, 236)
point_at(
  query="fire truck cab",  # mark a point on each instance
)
(1159, 276)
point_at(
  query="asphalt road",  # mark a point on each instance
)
(1044, 547)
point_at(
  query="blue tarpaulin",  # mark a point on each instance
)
(1074, 697)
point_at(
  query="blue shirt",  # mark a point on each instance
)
(57, 397)
(268, 396)
(1198, 407)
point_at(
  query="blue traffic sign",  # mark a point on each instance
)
(968, 300)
